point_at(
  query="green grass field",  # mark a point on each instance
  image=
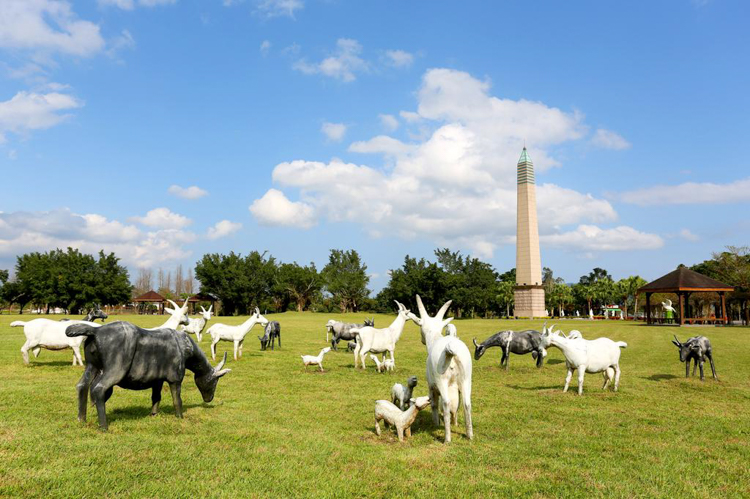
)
(275, 430)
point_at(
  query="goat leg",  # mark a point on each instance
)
(695, 364)
(581, 374)
(567, 379)
(687, 368)
(701, 366)
(713, 369)
(83, 392)
(176, 388)
(156, 398)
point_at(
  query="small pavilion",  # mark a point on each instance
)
(150, 297)
(201, 297)
(683, 282)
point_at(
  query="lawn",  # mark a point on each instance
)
(275, 430)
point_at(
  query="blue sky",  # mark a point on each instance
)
(163, 130)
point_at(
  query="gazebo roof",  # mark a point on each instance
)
(152, 296)
(684, 279)
(202, 297)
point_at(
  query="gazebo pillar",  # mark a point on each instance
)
(682, 308)
(723, 308)
(648, 308)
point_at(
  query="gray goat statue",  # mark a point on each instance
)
(342, 330)
(122, 354)
(92, 315)
(270, 334)
(519, 343)
(697, 349)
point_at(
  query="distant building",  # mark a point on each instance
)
(529, 292)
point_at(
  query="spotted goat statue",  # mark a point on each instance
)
(697, 349)
(519, 343)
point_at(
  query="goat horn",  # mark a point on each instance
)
(184, 305)
(176, 306)
(675, 338)
(420, 306)
(475, 342)
(221, 364)
(443, 310)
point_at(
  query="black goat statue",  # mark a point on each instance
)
(519, 343)
(122, 354)
(270, 334)
(697, 349)
(342, 330)
(92, 315)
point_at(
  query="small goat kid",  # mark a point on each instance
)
(236, 334)
(401, 395)
(315, 360)
(196, 326)
(593, 356)
(394, 416)
(448, 369)
(386, 365)
(371, 340)
(698, 349)
(270, 333)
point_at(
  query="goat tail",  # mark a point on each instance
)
(17, 323)
(621, 344)
(80, 330)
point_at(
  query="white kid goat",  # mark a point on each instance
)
(315, 360)
(601, 355)
(386, 365)
(394, 416)
(236, 334)
(448, 369)
(50, 335)
(178, 316)
(371, 340)
(196, 326)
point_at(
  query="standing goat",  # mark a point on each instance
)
(592, 356)
(343, 331)
(401, 395)
(448, 369)
(371, 340)
(402, 420)
(50, 335)
(315, 360)
(270, 333)
(196, 326)
(236, 334)
(122, 354)
(697, 348)
(519, 343)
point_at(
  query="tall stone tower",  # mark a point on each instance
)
(529, 292)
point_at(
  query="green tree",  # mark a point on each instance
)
(505, 295)
(346, 279)
(300, 284)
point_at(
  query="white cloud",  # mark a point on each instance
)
(456, 186)
(278, 8)
(22, 232)
(334, 131)
(609, 140)
(163, 218)
(265, 47)
(389, 122)
(687, 235)
(223, 229)
(410, 116)
(593, 238)
(342, 65)
(47, 26)
(192, 192)
(690, 193)
(274, 209)
(31, 111)
(399, 58)
(130, 4)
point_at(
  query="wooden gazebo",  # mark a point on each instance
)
(201, 297)
(151, 297)
(683, 282)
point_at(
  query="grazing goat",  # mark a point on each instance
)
(315, 360)
(697, 348)
(196, 326)
(236, 334)
(92, 315)
(519, 343)
(178, 316)
(122, 354)
(448, 369)
(394, 416)
(591, 356)
(401, 395)
(343, 331)
(371, 340)
(50, 335)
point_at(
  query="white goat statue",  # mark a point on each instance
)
(315, 360)
(236, 334)
(592, 356)
(386, 365)
(448, 369)
(394, 416)
(196, 326)
(177, 316)
(50, 335)
(371, 340)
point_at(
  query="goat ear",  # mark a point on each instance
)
(219, 374)
(420, 307)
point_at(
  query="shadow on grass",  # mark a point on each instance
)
(533, 388)
(144, 411)
(553, 362)
(36, 364)
(659, 377)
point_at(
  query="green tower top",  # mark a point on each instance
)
(525, 168)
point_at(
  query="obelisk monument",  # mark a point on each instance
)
(529, 292)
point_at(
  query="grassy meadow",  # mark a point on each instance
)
(275, 430)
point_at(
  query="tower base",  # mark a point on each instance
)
(529, 301)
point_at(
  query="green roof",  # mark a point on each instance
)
(524, 157)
